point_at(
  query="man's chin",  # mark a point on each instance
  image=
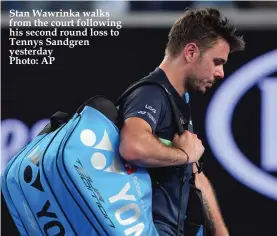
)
(202, 90)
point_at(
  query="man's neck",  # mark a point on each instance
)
(175, 74)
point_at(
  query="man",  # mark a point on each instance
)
(198, 47)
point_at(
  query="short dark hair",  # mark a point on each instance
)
(203, 27)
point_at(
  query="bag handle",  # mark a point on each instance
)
(58, 118)
(86, 103)
(147, 81)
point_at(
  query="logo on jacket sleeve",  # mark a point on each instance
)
(150, 108)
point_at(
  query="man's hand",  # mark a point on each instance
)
(190, 143)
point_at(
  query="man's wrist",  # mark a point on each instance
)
(179, 157)
(186, 155)
(202, 182)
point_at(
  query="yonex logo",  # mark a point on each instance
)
(46, 214)
(98, 160)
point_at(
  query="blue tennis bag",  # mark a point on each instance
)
(71, 180)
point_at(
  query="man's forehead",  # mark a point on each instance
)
(221, 49)
(222, 45)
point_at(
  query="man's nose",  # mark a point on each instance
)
(219, 73)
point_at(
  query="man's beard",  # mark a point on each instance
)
(194, 85)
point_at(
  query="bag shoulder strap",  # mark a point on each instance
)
(60, 117)
(147, 81)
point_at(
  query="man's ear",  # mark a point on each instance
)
(191, 52)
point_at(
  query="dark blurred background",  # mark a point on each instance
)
(32, 93)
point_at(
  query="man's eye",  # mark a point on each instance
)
(217, 62)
